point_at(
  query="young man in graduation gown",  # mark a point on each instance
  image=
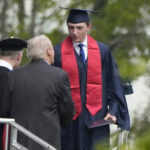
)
(10, 56)
(95, 85)
(39, 96)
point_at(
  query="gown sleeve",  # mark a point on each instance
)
(5, 102)
(116, 96)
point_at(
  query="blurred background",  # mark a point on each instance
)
(124, 25)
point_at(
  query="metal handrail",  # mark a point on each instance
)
(119, 140)
(15, 127)
(123, 140)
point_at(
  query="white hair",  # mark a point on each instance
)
(11, 54)
(37, 46)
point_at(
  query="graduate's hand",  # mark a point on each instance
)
(112, 117)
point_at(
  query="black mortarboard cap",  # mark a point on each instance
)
(12, 44)
(78, 15)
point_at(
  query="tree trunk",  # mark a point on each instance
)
(3, 18)
(99, 4)
(21, 16)
(33, 17)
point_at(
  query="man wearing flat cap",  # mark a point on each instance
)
(10, 56)
(96, 89)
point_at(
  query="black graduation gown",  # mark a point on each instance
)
(39, 99)
(3, 79)
(77, 136)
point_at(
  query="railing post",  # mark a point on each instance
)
(13, 137)
(122, 140)
(15, 127)
(6, 136)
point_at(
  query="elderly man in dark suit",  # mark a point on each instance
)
(11, 50)
(38, 95)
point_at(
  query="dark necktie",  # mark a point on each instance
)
(82, 52)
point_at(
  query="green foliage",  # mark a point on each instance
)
(141, 125)
(121, 24)
(140, 131)
(25, 59)
(129, 67)
(143, 142)
(56, 36)
(102, 145)
(128, 12)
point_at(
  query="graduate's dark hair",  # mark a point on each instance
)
(87, 23)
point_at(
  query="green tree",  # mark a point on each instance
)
(122, 25)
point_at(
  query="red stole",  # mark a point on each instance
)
(94, 75)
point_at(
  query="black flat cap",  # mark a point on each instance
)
(12, 44)
(79, 15)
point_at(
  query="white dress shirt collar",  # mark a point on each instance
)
(5, 64)
(75, 44)
(85, 47)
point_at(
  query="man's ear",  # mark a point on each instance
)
(89, 26)
(49, 52)
(19, 56)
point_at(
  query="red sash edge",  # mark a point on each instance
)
(94, 77)
(69, 64)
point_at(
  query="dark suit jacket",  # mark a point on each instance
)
(3, 80)
(40, 100)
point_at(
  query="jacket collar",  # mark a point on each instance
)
(39, 60)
